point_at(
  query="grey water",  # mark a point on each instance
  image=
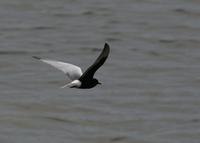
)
(151, 80)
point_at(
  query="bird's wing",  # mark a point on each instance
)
(72, 71)
(89, 73)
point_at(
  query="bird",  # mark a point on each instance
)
(79, 79)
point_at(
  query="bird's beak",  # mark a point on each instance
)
(99, 82)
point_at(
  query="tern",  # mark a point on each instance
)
(79, 79)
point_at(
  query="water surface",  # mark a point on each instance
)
(150, 91)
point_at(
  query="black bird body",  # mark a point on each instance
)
(86, 84)
(87, 79)
(81, 80)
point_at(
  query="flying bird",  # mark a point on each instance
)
(74, 73)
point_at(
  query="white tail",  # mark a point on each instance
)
(66, 85)
(73, 84)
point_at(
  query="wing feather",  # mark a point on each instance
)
(89, 73)
(72, 71)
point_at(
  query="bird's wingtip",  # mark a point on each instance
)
(106, 45)
(35, 57)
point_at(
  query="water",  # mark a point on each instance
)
(150, 91)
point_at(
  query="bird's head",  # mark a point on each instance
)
(96, 81)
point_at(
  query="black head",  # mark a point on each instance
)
(95, 81)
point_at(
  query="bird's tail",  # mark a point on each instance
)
(66, 85)
(73, 84)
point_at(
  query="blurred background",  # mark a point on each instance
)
(150, 91)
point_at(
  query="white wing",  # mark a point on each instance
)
(72, 71)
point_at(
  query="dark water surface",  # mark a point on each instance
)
(151, 81)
